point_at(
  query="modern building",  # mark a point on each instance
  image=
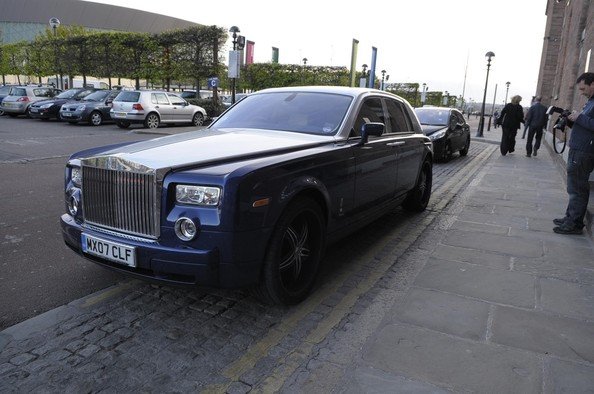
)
(24, 19)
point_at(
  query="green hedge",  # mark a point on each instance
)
(212, 110)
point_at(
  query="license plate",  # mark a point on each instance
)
(112, 251)
(34, 110)
(120, 114)
(66, 114)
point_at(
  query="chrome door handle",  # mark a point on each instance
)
(397, 143)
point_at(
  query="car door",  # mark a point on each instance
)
(376, 164)
(108, 103)
(162, 106)
(409, 146)
(182, 112)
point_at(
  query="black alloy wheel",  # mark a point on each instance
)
(294, 254)
(418, 198)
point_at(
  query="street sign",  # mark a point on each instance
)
(213, 83)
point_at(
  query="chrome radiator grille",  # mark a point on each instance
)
(121, 200)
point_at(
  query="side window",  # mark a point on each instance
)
(161, 98)
(176, 100)
(370, 111)
(399, 122)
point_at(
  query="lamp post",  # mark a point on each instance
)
(383, 79)
(506, 92)
(481, 126)
(54, 23)
(234, 30)
(303, 70)
(424, 93)
(446, 98)
(363, 80)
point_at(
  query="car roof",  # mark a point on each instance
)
(344, 90)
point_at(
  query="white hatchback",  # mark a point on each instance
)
(154, 107)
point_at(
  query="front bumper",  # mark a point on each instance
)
(178, 266)
(41, 113)
(72, 116)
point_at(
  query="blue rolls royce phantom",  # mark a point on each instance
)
(252, 200)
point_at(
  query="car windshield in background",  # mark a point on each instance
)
(432, 117)
(300, 112)
(18, 92)
(97, 96)
(128, 97)
(67, 94)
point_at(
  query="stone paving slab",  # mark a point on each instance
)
(544, 333)
(447, 313)
(493, 285)
(493, 243)
(567, 299)
(568, 377)
(373, 380)
(479, 257)
(452, 362)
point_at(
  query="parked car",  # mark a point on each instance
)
(20, 98)
(93, 109)
(447, 129)
(4, 90)
(153, 107)
(192, 94)
(227, 99)
(252, 200)
(50, 108)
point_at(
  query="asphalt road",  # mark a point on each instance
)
(37, 272)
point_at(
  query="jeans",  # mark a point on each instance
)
(579, 166)
(533, 132)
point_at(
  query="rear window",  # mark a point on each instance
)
(128, 97)
(18, 92)
(42, 92)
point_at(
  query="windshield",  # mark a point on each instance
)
(97, 96)
(300, 112)
(433, 117)
(67, 94)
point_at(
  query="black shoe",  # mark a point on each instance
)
(564, 229)
(559, 222)
(527, 154)
(534, 154)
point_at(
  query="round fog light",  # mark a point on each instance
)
(73, 206)
(185, 229)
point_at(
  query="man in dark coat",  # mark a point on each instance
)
(511, 117)
(580, 161)
(536, 120)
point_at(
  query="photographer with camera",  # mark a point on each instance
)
(580, 162)
(536, 120)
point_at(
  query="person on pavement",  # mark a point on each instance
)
(511, 117)
(580, 161)
(536, 120)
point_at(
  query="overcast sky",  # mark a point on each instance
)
(424, 41)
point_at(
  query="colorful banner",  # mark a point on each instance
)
(249, 52)
(274, 55)
(354, 61)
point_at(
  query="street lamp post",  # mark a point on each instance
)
(303, 70)
(234, 30)
(446, 99)
(481, 126)
(506, 91)
(54, 23)
(383, 78)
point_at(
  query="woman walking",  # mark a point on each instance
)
(510, 118)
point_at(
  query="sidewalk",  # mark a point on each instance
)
(502, 304)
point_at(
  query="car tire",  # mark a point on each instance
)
(198, 119)
(418, 197)
(95, 119)
(13, 115)
(1, 113)
(447, 152)
(28, 112)
(464, 151)
(152, 121)
(123, 125)
(294, 254)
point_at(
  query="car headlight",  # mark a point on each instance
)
(81, 107)
(76, 176)
(46, 106)
(437, 135)
(197, 195)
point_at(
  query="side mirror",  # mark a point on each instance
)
(372, 128)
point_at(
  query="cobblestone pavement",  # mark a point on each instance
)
(136, 337)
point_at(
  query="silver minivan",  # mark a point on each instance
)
(154, 107)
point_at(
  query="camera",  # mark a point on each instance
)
(562, 122)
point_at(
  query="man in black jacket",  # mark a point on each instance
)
(580, 162)
(536, 120)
